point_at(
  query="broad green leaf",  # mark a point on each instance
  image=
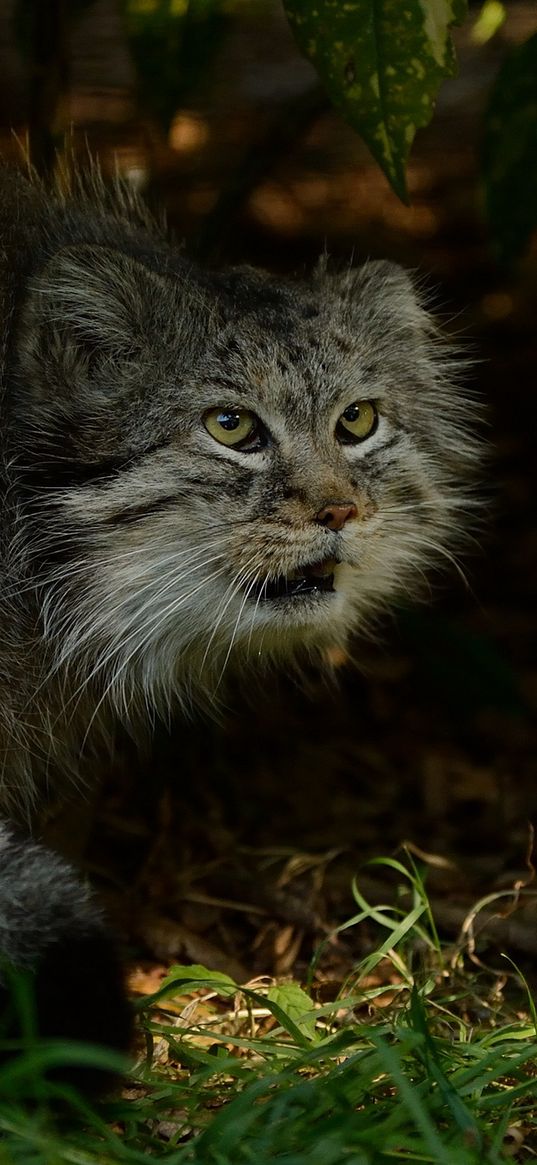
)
(196, 975)
(296, 1004)
(181, 980)
(510, 152)
(381, 62)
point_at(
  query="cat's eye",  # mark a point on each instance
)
(357, 422)
(237, 428)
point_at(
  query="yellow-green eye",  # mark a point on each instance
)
(233, 427)
(357, 422)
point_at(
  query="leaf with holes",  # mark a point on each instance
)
(382, 63)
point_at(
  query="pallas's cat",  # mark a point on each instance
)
(199, 470)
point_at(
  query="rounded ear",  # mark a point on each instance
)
(90, 311)
(377, 288)
(99, 295)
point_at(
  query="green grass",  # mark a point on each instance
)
(427, 1063)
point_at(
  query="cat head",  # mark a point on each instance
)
(225, 466)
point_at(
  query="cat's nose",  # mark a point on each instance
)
(333, 515)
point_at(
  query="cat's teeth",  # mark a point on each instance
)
(319, 569)
(285, 587)
(322, 569)
(315, 578)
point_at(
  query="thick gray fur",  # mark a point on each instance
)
(133, 545)
(39, 898)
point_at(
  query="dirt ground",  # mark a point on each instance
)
(235, 845)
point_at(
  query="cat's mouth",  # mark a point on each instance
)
(317, 578)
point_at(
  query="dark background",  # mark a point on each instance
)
(235, 844)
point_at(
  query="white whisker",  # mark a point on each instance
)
(136, 616)
(140, 640)
(247, 593)
(234, 586)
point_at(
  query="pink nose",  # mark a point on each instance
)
(334, 514)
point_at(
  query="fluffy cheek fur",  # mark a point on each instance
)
(171, 602)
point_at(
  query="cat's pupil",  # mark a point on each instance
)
(229, 421)
(352, 413)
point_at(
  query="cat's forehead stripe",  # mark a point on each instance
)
(307, 367)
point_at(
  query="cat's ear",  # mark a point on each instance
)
(88, 311)
(378, 290)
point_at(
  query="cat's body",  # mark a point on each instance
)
(198, 470)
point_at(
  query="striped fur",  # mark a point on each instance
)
(134, 548)
(133, 545)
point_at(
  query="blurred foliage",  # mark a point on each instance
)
(173, 44)
(489, 21)
(26, 22)
(380, 62)
(510, 152)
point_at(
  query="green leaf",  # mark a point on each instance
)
(192, 978)
(297, 1006)
(509, 153)
(196, 975)
(381, 62)
(431, 1058)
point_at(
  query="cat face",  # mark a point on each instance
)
(230, 467)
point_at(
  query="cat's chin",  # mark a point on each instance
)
(301, 617)
(315, 599)
(308, 608)
(288, 647)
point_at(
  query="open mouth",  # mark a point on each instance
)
(315, 579)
